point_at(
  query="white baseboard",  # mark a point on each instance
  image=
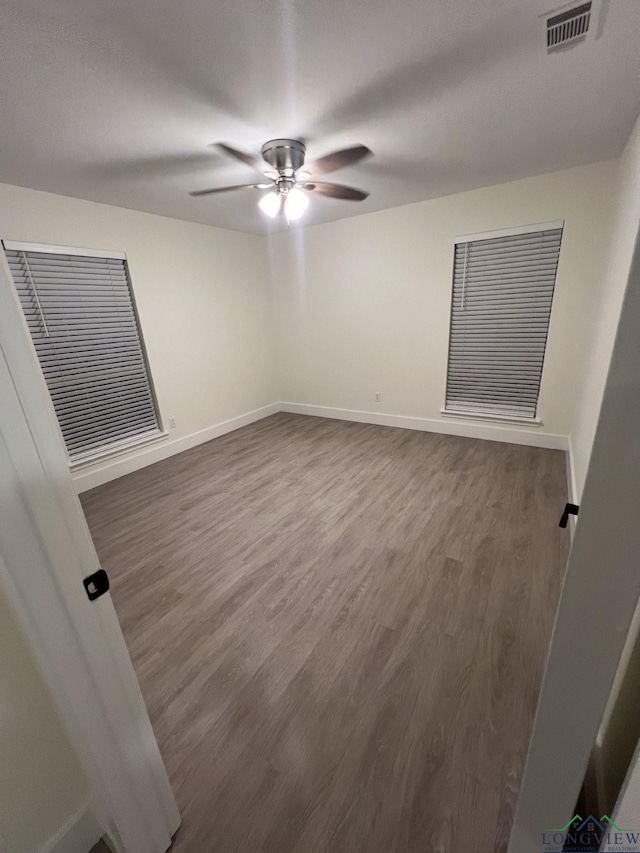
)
(98, 474)
(78, 835)
(512, 434)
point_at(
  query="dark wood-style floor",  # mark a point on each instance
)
(339, 630)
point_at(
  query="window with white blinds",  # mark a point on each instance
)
(501, 304)
(83, 323)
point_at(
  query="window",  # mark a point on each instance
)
(502, 292)
(80, 313)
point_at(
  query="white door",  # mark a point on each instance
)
(45, 552)
(627, 811)
(598, 600)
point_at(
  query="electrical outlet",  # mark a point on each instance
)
(172, 423)
(378, 396)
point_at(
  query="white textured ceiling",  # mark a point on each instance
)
(117, 100)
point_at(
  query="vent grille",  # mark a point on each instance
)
(568, 27)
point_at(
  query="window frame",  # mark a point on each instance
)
(114, 448)
(516, 231)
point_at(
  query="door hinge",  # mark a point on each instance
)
(96, 584)
(570, 509)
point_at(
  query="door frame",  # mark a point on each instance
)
(45, 552)
(598, 599)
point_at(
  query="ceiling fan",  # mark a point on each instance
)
(288, 181)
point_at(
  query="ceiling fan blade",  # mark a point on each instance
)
(231, 189)
(248, 159)
(336, 191)
(338, 160)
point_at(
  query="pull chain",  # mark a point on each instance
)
(35, 293)
(464, 276)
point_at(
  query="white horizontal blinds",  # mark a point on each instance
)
(83, 324)
(502, 294)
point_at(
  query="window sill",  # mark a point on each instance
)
(91, 458)
(485, 416)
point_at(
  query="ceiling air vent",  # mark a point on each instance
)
(567, 27)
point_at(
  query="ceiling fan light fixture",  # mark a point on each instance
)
(289, 183)
(270, 204)
(296, 203)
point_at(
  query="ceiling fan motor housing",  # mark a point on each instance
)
(284, 154)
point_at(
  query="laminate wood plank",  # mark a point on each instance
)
(339, 630)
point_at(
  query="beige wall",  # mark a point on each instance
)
(42, 785)
(202, 295)
(363, 303)
(626, 220)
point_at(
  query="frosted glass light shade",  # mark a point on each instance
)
(270, 204)
(296, 203)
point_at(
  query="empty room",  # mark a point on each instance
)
(320, 391)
